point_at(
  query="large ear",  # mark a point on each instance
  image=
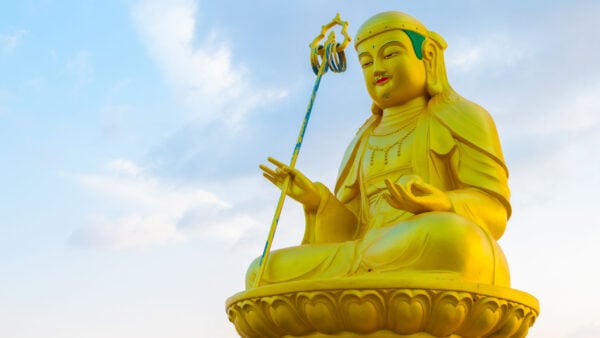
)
(432, 50)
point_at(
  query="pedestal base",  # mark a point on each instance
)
(376, 307)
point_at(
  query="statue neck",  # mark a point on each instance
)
(397, 117)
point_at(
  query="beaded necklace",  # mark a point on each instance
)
(386, 149)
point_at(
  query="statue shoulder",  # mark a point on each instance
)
(472, 128)
(469, 123)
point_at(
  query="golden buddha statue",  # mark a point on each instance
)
(422, 188)
(405, 246)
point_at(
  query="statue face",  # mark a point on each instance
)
(393, 73)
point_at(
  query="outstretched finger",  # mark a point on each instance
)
(273, 180)
(279, 164)
(283, 168)
(268, 170)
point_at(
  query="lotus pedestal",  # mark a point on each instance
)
(376, 307)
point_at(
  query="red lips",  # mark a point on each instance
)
(382, 80)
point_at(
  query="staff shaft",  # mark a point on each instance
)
(286, 184)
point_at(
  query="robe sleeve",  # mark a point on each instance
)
(482, 191)
(476, 165)
(331, 222)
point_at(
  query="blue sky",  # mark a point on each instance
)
(131, 132)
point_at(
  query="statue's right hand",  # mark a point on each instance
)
(300, 187)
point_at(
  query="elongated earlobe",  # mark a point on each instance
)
(430, 57)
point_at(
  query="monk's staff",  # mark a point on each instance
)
(332, 57)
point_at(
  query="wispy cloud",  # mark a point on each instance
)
(493, 50)
(10, 41)
(81, 68)
(203, 76)
(576, 109)
(591, 330)
(112, 117)
(146, 211)
(3, 98)
(127, 232)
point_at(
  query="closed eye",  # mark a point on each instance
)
(390, 55)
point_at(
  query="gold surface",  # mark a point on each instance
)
(374, 307)
(422, 188)
(406, 244)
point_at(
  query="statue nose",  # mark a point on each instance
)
(377, 72)
(378, 68)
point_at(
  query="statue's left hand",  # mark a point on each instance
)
(412, 194)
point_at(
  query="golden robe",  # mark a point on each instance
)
(454, 147)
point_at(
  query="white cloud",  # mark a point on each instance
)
(9, 42)
(466, 58)
(592, 330)
(555, 112)
(203, 76)
(492, 50)
(146, 191)
(577, 109)
(113, 117)
(129, 231)
(121, 166)
(147, 211)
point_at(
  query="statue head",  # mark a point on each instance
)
(401, 59)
